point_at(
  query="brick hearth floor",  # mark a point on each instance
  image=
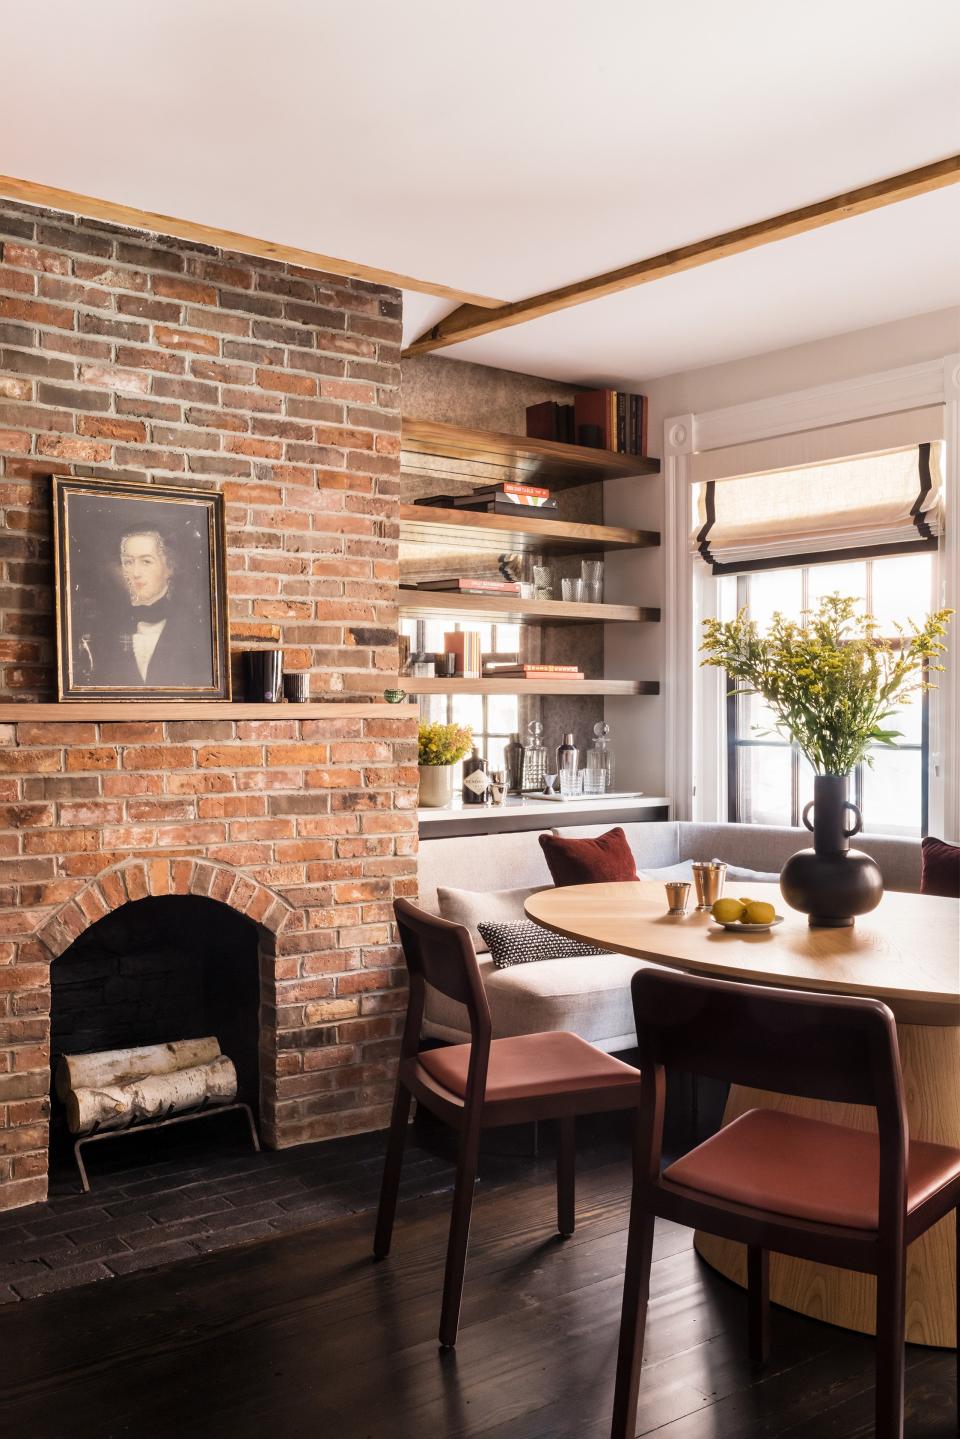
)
(187, 1198)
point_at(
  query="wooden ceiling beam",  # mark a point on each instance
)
(470, 321)
(49, 197)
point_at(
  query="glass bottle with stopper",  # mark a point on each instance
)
(534, 757)
(599, 774)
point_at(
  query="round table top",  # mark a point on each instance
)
(907, 952)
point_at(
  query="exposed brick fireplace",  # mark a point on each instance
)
(127, 355)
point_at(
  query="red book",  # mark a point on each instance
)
(497, 587)
(591, 418)
(511, 487)
(543, 421)
(533, 669)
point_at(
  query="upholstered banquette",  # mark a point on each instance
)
(487, 878)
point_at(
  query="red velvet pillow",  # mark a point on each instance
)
(589, 861)
(940, 868)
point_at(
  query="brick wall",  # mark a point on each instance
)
(128, 355)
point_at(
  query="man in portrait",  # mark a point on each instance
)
(158, 634)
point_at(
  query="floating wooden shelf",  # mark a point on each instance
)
(470, 529)
(528, 687)
(511, 610)
(446, 453)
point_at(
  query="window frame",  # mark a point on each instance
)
(693, 762)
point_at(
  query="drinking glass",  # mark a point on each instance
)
(591, 573)
(571, 783)
(678, 897)
(595, 774)
(708, 878)
(542, 582)
(572, 590)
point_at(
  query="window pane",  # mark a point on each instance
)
(468, 710)
(507, 638)
(908, 719)
(503, 714)
(892, 792)
(843, 579)
(902, 586)
(759, 720)
(493, 751)
(765, 784)
(804, 784)
(772, 590)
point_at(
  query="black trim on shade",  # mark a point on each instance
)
(710, 503)
(821, 557)
(926, 540)
(926, 485)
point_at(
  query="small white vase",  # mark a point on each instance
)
(436, 785)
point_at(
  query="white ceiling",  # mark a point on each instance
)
(508, 147)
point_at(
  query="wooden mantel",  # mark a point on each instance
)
(100, 711)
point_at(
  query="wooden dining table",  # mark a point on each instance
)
(907, 954)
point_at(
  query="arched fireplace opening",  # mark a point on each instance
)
(170, 967)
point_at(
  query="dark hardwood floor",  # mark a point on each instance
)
(304, 1335)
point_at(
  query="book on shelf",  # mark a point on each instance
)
(550, 421)
(508, 492)
(507, 505)
(561, 671)
(611, 420)
(465, 645)
(471, 584)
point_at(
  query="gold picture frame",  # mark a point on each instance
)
(141, 604)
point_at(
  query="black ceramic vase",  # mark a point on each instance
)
(832, 883)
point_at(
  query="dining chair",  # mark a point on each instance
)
(485, 1083)
(777, 1181)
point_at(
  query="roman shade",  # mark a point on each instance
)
(868, 488)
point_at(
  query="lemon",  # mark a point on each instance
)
(759, 912)
(726, 911)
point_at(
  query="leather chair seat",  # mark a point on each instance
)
(530, 1066)
(806, 1168)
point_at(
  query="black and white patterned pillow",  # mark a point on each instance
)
(522, 942)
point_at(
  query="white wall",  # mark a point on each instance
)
(639, 576)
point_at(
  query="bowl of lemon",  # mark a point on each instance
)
(745, 916)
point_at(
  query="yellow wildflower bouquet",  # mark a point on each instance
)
(442, 743)
(831, 681)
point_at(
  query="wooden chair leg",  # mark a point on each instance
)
(459, 1234)
(392, 1166)
(758, 1303)
(956, 1215)
(891, 1286)
(567, 1176)
(633, 1320)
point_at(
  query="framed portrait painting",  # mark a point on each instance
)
(141, 598)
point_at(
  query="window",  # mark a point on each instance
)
(768, 780)
(492, 718)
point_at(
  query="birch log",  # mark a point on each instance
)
(118, 1106)
(110, 1067)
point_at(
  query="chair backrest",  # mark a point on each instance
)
(441, 954)
(791, 1041)
(819, 1046)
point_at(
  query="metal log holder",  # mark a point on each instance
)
(205, 1111)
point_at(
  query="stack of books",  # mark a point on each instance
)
(600, 419)
(507, 498)
(493, 669)
(471, 585)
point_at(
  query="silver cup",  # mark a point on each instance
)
(708, 877)
(678, 897)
